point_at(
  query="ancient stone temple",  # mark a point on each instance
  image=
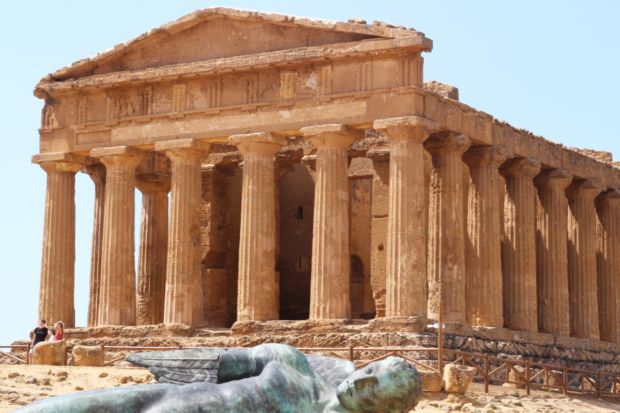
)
(294, 168)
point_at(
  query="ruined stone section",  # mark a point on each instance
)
(258, 287)
(406, 238)
(446, 240)
(483, 257)
(331, 261)
(551, 252)
(117, 294)
(582, 273)
(519, 245)
(153, 251)
(97, 174)
(608, 264)
(58, 260)
(184, 299)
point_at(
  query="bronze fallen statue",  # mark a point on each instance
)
(270, 378)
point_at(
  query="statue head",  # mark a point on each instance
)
(392, 385)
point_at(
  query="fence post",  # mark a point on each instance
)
(598, 383)
(565, 380)
(350, 353)
(527, 376)
(486, 373)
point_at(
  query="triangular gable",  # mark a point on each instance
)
(220, 32)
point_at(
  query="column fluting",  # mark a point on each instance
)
(184, 297)
(258, 286)
(446, 238)
(56, 301)
(608, 260)
(483, 259)
(331, 261)
(582, 272)
(519, 245)
(551, 252)
(153, 251)
(406, 283)
(97, 174)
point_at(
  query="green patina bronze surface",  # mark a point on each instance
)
(270, 378)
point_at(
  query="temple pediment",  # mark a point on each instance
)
(218, 33)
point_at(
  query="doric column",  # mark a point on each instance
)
(519, 244)
(446, 238)
(331, 261)
(483, 255)
(97, 174)
(406, 238)
(117, 292)
(58, 258)
(258, 284)
(184, 299)
(551, 252)
(153, 249)
(582, 274)
(608, 259)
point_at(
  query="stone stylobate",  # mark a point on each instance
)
(258, 285)
(406, 239)
(331, 262)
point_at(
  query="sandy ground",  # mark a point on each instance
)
(16, 392)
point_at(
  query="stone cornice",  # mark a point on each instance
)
(318, 54)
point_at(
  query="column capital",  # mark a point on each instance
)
(119, 155)
(407, 128)
(609, 198)
(153, 183)
(520, 168)
(486, 156)
(60, 157)
(190, 149)
(52, 167)
(447, 143)
(587, 188)
(332, 136)
(553, 178)
(97, 172)
(262, 143)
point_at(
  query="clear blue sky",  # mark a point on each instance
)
(550, 67)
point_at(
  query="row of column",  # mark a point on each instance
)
(524, 282)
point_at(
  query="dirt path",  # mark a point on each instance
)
(16, 392)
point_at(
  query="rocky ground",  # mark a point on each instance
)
(38, 382)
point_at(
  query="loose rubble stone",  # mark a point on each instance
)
(456, 379)
(53, 353)
(88, 356)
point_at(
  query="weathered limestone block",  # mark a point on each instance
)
(58, 259)
(551, 252)
(514, 377)
(406, 238)
(446, 242)
(445, 90)
(258, 284)
(184, 297)
(97, 174)
(431, 381)
(483, 251)
(153, 250)
(519, 245)
(608, 260)
(117, 305)
(88, 356)
(582, 272)
(51, 353)
(331, 261)
(379, 225)
(456, 379)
